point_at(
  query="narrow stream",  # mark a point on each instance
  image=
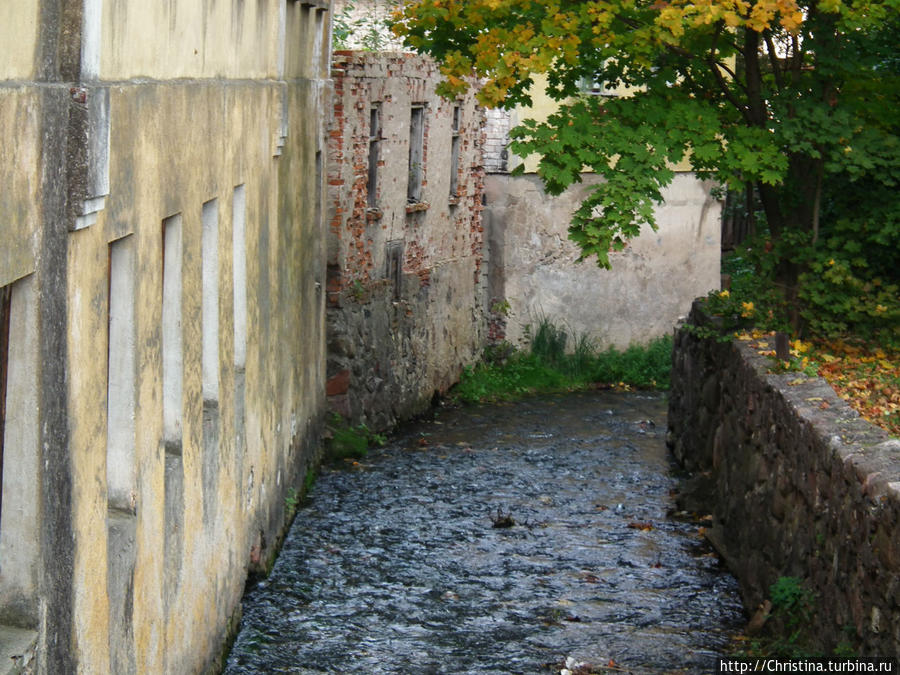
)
(394, 565)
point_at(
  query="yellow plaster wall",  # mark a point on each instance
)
(19, 27)
(203, 97)
(541, 108)
(20, 176)
(165, 40)
(174, 147)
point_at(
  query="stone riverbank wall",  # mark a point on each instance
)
(802, 486)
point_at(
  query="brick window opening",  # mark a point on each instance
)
(454, 153)
(374, 137)
(394, 270)
(416, 153)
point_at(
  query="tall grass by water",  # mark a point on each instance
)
(547, 365)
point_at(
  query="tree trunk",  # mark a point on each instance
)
(792, 208)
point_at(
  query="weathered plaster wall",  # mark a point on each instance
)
(651, 283)
(801, 486)
(19, 21)
(406, 279)
(20, 174)
(115, 131)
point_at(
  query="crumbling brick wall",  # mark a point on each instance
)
(406, 285)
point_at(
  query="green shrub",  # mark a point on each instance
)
(792, 609)
(847, 273)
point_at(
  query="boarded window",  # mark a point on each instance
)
(210, 300)
(239, 258)
(416, 153)
(5, 302)
(171, 331)
(120, 427)
(20, 531)
(319, 177)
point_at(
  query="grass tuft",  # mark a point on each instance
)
(546, 367)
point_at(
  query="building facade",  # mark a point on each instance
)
(162, 343)
(406, 258)
(535, 273)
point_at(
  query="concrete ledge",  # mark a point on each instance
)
(17, 649)
(801, 486)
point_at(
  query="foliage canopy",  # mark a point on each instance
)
(793, 96)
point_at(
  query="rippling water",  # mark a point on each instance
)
(394, 565)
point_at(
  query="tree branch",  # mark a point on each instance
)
(726, 91)
(773, 60)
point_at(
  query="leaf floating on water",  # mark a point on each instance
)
(644, 527)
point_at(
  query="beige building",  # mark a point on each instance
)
(162, 363)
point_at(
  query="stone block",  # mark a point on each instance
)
(338, 384)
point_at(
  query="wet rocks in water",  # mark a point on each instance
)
(502, 519)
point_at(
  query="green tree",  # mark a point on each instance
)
(792, 96)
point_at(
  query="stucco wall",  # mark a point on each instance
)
(20, 174)
(143, 538)
(801, 486)
(651, 284)
(398, 334)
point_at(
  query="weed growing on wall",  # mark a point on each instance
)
(786, 632)
(349, 442)
(546, 366)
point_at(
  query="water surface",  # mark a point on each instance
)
(394, 565)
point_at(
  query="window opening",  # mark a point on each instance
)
(374, 136)
(454, 153)
(395, 267)
(416, 153)
(594, 87)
